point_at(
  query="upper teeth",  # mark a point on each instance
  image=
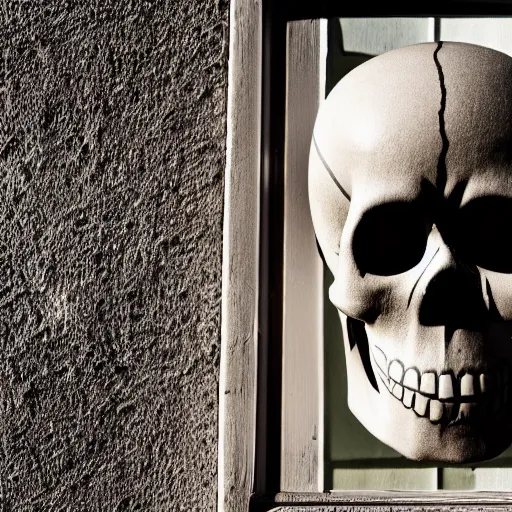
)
(467, 385)
(396, 370)
(428, 383)
(438, 396)
(446, 386)
(412, 379)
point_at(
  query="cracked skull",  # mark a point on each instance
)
(410, 186)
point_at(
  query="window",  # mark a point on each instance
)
(354, 458)
(272, 450)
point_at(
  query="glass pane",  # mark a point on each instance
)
(409, 478)
(355, 459)
(491, 32)
(373, 36)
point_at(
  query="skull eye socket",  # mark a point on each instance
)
(484, 233)
(391, 238)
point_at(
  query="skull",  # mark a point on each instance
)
(410, 188)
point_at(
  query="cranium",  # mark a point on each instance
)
(410, 186)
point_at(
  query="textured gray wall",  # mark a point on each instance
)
(112, 140)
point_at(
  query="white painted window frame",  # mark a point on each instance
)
(245, 388)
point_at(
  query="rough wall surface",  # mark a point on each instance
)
(112, 141)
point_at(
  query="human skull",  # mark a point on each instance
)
(410, 186)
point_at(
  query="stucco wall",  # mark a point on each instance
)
(112, 140)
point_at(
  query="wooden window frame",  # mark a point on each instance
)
(252, 349)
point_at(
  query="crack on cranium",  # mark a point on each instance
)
(441, 163)
(328, 169)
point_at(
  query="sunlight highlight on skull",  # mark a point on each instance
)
(410, 184)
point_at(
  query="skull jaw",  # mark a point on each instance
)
(417, 438)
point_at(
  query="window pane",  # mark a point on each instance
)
(494, 33)
(354, 458)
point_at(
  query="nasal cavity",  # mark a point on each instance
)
(454, 297)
